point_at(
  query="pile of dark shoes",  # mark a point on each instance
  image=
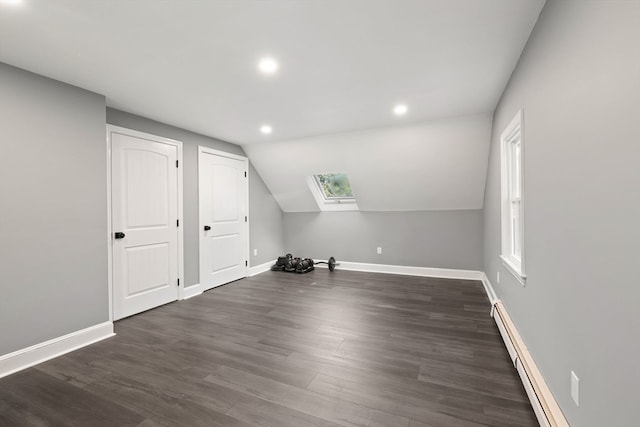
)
(293, 264)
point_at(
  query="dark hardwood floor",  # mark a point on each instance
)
(280, 349)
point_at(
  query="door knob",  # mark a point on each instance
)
(119, 235)
(207, 228)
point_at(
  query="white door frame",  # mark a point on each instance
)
(178, 144)
(206, 150)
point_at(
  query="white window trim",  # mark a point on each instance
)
(330, 204)
(514, 266)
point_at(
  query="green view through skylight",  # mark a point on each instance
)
(334, 186)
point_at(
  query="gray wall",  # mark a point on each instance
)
(265, 227)
(437, 239)
(262, 217)
(53, 209)
(53, 206)
(578, 82)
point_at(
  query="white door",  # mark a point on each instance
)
(223, 217)
(145, 214)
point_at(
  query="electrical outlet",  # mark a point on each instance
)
(498, 277)
(255, 252)
(575, 388)
(379, 250)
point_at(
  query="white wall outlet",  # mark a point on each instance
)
(255, 252)
(498, 277)
(379, 250)
(575, 388)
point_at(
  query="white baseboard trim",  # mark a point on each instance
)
(38, 353)
(543, 402)
(261, 268)
(491, 293)
(191, 291)
(441, 273)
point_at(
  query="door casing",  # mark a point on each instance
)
(210, 151)
(178, 144)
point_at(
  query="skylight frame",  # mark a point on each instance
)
(338, 199)
(331, 203)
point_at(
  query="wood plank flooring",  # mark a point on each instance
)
(278, 349)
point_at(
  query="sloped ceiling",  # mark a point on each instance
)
(433, 165)
(343, 65)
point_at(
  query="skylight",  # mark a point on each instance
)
(334, 186)
(332, 192)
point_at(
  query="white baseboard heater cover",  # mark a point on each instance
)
(544, 404)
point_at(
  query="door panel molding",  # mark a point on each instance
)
(110, 131)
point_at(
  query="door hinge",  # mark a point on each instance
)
(178, 282)
(245, 218)
(177, 223)
(246, 263)
(177, 163)
(245, 174)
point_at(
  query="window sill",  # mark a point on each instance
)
(333, 206)
(515, 271)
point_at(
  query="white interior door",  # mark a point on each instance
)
(145, 221)
(223, 217)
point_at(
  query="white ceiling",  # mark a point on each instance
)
(343, 65)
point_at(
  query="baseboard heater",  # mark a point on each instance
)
(544, 404)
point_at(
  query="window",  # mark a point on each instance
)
(512, 197)
(332, 192)
(334, 186)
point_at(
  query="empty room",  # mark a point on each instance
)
(393, 213)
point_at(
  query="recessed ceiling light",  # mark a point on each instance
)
(268, 65)
(266, 129)
(400, 109)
